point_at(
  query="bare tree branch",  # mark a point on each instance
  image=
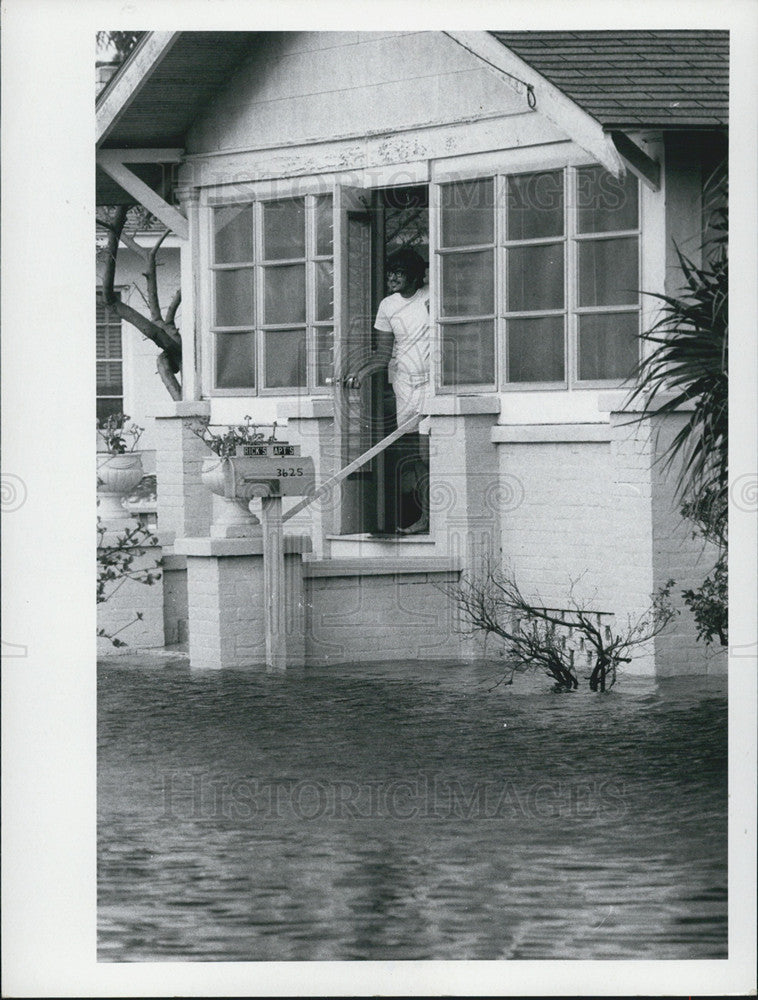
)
(162, 332)
(173, 306)
(167, 376)
(131, 244)
(151, 277)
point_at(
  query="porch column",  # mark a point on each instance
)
(654, 542)
(190, 270)
(184, 503)
(226, 600)
(310, 423)
(464, 488)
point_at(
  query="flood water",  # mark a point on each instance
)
(408, 812)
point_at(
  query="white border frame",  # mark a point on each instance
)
(49, 692)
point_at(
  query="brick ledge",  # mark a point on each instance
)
(237, 546)
(549, 433)
(381, 566)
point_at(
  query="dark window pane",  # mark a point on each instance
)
(535, 349)
(468, 213)
(284, 229)
(284, 293)
(603, 203)
(109, 378)
(406, 225)
(324, 290)
(535, 205)
(235, 360)
(535, 277)
(324, 226)
(109, 341)
(608, 345)
(468, 284)
(608, 272)
(107, 407)
(106, 314)
(468, 353)
(233, 234)
(234, 297)
(324, 355)
(285, 358)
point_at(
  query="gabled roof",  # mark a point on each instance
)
(191, 69)
(594, 84)
(660, 79)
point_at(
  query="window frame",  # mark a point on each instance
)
(499, 167)
(258, 265)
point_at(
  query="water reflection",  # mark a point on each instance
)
(387, 813)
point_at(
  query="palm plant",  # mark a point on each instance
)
(689, 363)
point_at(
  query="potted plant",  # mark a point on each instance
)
(119, 467)
(232, 516)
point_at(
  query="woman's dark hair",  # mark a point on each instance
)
(407, 261)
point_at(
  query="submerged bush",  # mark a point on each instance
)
(548, 639)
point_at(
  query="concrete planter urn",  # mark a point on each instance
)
(232, 518)
(118, 475)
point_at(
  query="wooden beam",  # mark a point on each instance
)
(352, 158)
(643, 166)
(110, 161)
(131, 79)
(410, 425)
(542, 96)
(150, 155)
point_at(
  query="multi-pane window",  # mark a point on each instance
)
(467, 306)
(548, 261)
(607, 247)
(109, 362)
(273, 294)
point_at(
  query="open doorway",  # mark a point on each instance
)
(401, 221)
(382, 495)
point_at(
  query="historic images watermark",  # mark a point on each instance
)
(13, 492)
(199, 796)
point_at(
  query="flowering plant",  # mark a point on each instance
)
(115, 432)
(225, 443)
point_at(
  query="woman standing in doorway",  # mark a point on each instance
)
(403, 343)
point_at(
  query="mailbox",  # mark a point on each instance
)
(271, 468)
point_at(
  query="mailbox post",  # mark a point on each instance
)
(270, 471)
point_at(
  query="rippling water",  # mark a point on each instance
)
(407, 812)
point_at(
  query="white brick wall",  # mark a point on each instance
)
(130, 598)
(563, 528)
(392, 617)
(226, 611)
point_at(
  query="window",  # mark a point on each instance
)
(467, 304)
(273, 294)
(547, 261)
(109, 362)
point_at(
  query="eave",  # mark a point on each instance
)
(615, 151)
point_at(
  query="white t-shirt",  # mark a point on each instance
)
(408, 320)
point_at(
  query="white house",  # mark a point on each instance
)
(545, 177)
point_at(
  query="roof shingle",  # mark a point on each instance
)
(634, 78)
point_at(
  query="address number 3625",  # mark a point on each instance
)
(284, 473)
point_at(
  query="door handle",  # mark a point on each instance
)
(348, 382)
